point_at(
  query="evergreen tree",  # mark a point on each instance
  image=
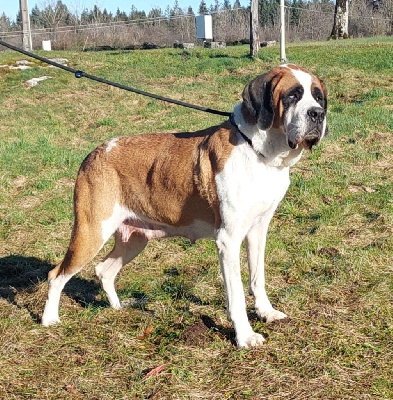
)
(36, 17)
(226, 5)
(135, 14)
(176, 10)
(268, 11)
(236, 5)
(295, 12)
(215, 7)
(19, 18)
(5, 23)
(121, 15)
(155, 13)
(85, 16)
(203, 8)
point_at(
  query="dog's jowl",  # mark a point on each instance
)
(224, 182)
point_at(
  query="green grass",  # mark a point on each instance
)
(329, 251)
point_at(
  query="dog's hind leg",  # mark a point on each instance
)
(86, 241)
(122, 254)
(87, 238)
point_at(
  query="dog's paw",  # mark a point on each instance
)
(271, 315)
(254, 340)
(49, 321)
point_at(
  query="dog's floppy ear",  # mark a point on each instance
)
(324, 90)
(258, 98)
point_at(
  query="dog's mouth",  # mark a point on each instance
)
(307, 142)
(310, 141)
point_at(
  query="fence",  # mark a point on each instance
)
(313, 21)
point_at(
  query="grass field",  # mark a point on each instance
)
(329, 252)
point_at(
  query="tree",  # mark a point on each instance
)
(54, 14)
(296, 12)
(36, 18)
(215, 7)
(226, 5)
(121, 15)
(5, 23)
(176, 10)
(268, 12)
(155, 13)
(136, 15)
(340, 24)
(386, 8)
(236, 5)
(203, 8)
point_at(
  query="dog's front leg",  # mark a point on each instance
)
(255, 243)
(229, 254)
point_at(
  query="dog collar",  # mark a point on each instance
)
(245, 137)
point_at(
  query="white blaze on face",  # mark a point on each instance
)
(296, 120)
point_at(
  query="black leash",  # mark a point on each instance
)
(81, 74)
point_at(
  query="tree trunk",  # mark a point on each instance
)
(340, 24)
(254, 29)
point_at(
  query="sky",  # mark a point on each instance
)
(11, 7)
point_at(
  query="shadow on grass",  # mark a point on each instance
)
(227, 333)
(19, 274)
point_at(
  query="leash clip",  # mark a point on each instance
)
(79, 74)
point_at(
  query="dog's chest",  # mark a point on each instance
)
(248, 184)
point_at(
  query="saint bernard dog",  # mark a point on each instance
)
(223, 182)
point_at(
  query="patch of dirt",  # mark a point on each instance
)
(19, 182)
(28, 202)
(329, 252)
(65, 182)
(196, 335)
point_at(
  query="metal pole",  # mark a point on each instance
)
(283, 56)
(26, 39)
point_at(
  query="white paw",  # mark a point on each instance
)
(271, 315)
(118, 305)
(254, 340)
(49, 321)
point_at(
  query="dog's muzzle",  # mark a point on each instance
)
(313, 131)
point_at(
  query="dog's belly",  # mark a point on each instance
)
(128, 223)
(150, 231)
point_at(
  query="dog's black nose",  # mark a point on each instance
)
(316, 114)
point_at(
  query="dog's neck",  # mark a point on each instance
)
(270, 145)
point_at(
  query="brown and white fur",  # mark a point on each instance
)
(223, 182)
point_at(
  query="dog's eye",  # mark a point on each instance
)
(294, 97)
(318, 96)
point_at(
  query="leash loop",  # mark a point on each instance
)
(80, 74)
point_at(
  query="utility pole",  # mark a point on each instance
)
(283, 57)
(26, 39)
(254, 29)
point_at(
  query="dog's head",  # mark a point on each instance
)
(291, 100)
